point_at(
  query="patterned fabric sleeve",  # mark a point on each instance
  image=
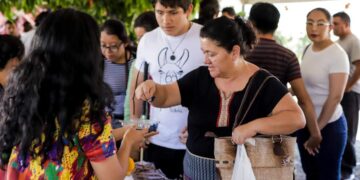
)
(97, 147)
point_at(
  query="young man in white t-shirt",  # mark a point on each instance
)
(351, 100)
(171, 50)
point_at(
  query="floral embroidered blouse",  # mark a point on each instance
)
(75, 162)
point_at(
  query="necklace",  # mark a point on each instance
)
(172, 56)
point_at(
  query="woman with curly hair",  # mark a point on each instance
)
(52, 122)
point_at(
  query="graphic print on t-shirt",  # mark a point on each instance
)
(171, 70)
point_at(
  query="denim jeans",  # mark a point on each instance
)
(326, 164)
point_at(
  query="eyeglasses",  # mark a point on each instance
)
(317, 23)
(112, 48)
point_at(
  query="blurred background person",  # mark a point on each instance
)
(11, 29)
(209, 9)
(27, 37)
(325, 69)
(228, 12)
(351, 100)
(11, 53)
(27, 26)
(119, 55)
(282, 63)
(145, 22)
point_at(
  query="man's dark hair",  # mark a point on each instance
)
(10, 47)
(27, 26)
(147, 20)
(229, 10)
(343, 16)
(208, 10)
(265, 17)
(184, 4)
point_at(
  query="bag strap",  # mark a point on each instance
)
(306, 48)
(245, 97)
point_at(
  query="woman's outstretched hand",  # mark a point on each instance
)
(137, 138)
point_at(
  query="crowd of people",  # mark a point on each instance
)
(67, 93)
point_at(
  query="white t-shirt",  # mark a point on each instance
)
(351, 45)
(26, 39)
(316, 68)
(158, 49)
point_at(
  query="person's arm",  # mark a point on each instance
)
(137, 78)
(184, 135)
(304, 101)
(132, 140)
(116, 166)
(119, 133)
(109, 169)
(355, 76)
(285, 118)
(128, 96)
(337, 83)
(159, 95)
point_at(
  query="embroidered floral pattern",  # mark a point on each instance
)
(75, 162)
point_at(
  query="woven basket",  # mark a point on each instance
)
(266, 165)
(225, 153)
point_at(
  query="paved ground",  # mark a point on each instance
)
(299, 174)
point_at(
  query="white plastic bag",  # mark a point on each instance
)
(242, 168)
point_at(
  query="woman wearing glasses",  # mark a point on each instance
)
(115, 47)
(325, 70)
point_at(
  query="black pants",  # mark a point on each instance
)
(170, 161)
(351, 106)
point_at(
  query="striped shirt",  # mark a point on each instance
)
(275, 58)
(115, 76)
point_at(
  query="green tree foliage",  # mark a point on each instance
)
(125, 10)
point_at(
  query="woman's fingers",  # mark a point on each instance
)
(150, 134)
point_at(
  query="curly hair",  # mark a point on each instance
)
(51, 85)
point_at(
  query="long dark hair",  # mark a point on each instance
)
(52, 84)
